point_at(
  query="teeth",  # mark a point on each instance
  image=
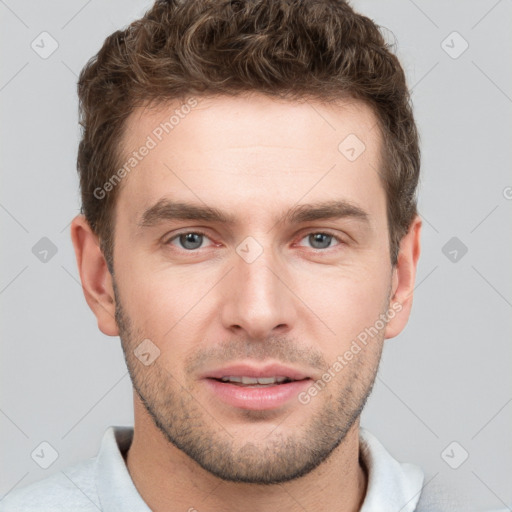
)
(249, 380)
(231, 379)
(265, 380)
(254, 380)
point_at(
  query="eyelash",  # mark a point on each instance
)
(202, 233)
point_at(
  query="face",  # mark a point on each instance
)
(249, 242)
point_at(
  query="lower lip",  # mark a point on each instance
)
(258, 398)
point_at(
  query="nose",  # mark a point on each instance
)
(258, 302)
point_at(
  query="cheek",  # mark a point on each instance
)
(347, 302)
(171, 308)
(152, 302)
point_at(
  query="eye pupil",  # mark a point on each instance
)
(191, 240)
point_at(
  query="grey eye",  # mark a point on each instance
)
(191, 241)
(320, 240)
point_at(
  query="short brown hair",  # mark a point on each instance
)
(319, 49)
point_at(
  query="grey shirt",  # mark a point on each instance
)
(104, 483)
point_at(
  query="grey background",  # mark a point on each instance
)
(445, 378)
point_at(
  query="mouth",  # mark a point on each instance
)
(256, 382)
(249, 387)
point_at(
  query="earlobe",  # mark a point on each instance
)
(403, 280)
(94, 274)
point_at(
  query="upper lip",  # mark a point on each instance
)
(245, 370)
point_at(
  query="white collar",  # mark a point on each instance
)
(116, 490)
(392, 485)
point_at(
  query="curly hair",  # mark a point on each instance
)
(319, 49)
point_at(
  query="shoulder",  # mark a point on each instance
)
(442, 494)
(73, 488)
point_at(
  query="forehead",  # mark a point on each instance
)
(249, 153)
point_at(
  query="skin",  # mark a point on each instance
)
(299, 303)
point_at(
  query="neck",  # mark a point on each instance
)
(168, 480)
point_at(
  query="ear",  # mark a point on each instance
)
(94, 274)
(404, 275)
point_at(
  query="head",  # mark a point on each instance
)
(248, 173)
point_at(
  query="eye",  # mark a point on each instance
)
(320, 240)
(189, 241)
(193, 240)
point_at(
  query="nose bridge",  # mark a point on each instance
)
(258, 301)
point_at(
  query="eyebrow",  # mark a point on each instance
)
(167, 210)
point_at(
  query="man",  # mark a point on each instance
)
(248, 173)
